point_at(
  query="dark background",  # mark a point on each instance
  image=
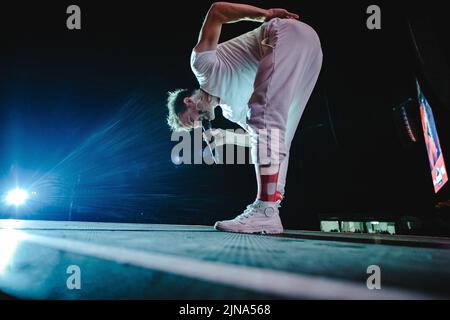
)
(83, 114)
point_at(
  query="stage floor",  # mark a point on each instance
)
(140, 261)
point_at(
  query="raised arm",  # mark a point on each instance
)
(225, 12)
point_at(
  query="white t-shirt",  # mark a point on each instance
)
(229, 73)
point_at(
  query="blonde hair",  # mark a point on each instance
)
(176, 108)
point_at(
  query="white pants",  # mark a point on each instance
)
(286, 76)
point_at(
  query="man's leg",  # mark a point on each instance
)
(294, 116)
(285, 79)
(291, 48)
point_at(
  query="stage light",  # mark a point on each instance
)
(17, 197)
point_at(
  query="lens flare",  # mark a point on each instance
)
(17, 197)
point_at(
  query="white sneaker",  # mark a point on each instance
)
(259, 217)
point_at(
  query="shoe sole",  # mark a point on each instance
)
(261, 230)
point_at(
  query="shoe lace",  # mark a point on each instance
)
(248, 212)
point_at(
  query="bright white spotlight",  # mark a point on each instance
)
(17, 197)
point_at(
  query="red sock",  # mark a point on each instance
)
(267, 190)
(278, 196)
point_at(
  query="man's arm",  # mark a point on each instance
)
(225, 12)
(222, 137)
(239, 139)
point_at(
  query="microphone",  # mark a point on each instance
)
(206, 125)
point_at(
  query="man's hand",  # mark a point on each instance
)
(225, 12)
(280, 13)
(217, 134)
(222, 137)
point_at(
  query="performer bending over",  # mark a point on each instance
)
(262, 80)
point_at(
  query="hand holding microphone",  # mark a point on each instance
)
(213, 138)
